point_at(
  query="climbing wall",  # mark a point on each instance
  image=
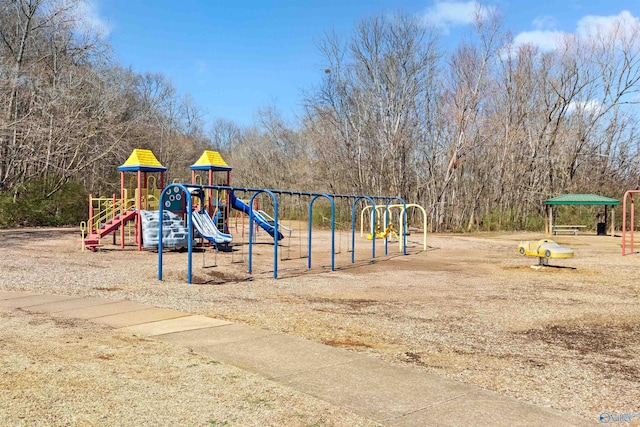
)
(174, 232)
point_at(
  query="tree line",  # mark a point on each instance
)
(480, 134)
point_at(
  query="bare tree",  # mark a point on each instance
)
(470, 78)
(225, 135)
(50, 73)
(273, 154)
(366, 114)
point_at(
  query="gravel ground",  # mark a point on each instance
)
(469, 308)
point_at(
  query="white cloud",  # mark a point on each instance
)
(590, 106)
(544, 40)
(88, 18)
(623, 25)
(447, 14)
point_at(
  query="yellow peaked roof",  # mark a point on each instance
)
(211, 158)
(141, 157)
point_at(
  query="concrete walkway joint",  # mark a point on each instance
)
(389, 394)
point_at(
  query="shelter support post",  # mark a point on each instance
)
(613, 222)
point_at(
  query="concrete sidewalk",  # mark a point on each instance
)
(389, 394)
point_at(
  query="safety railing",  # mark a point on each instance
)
(105, 209)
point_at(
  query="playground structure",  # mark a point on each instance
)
(111, 214)
(629, 207)
(202, 209)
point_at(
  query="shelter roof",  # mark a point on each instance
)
(142, 160)
(211, 160)
(581, 199)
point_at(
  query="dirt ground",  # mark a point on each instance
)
(468, 308)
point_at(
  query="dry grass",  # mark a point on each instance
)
(469, 308)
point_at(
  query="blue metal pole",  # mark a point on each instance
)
(353, 225)
(276, 234)
(353, 234)
(276, 231)
(310, 231)
(373, 240)
(386, 224)
(333, 228)
(190, 228)
(333, 231)
(249, 267)
(405, 228)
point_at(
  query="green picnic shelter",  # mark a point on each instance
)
(580, 199)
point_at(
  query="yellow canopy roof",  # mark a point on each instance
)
(141, 157)
(144, 160)
(211, 160)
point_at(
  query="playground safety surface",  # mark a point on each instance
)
(388, 394)
(466, 333)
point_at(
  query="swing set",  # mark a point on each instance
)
(192, 191)
(386, 213)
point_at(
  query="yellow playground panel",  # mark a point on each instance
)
(383, 213)
(212, 197)
(149, 194)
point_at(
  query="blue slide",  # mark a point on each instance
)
(259, 219)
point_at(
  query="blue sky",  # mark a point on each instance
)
(234, 58)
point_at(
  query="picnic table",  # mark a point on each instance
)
(567, 229)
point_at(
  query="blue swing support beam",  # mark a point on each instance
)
(197, 190)
(333, 229)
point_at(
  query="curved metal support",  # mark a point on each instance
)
(362, 212)
(403, 225)
(275, 226)
(628, 196)
(185, 189)
(424, 225)
(403, 208)
(333, 228)
(353, 226)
